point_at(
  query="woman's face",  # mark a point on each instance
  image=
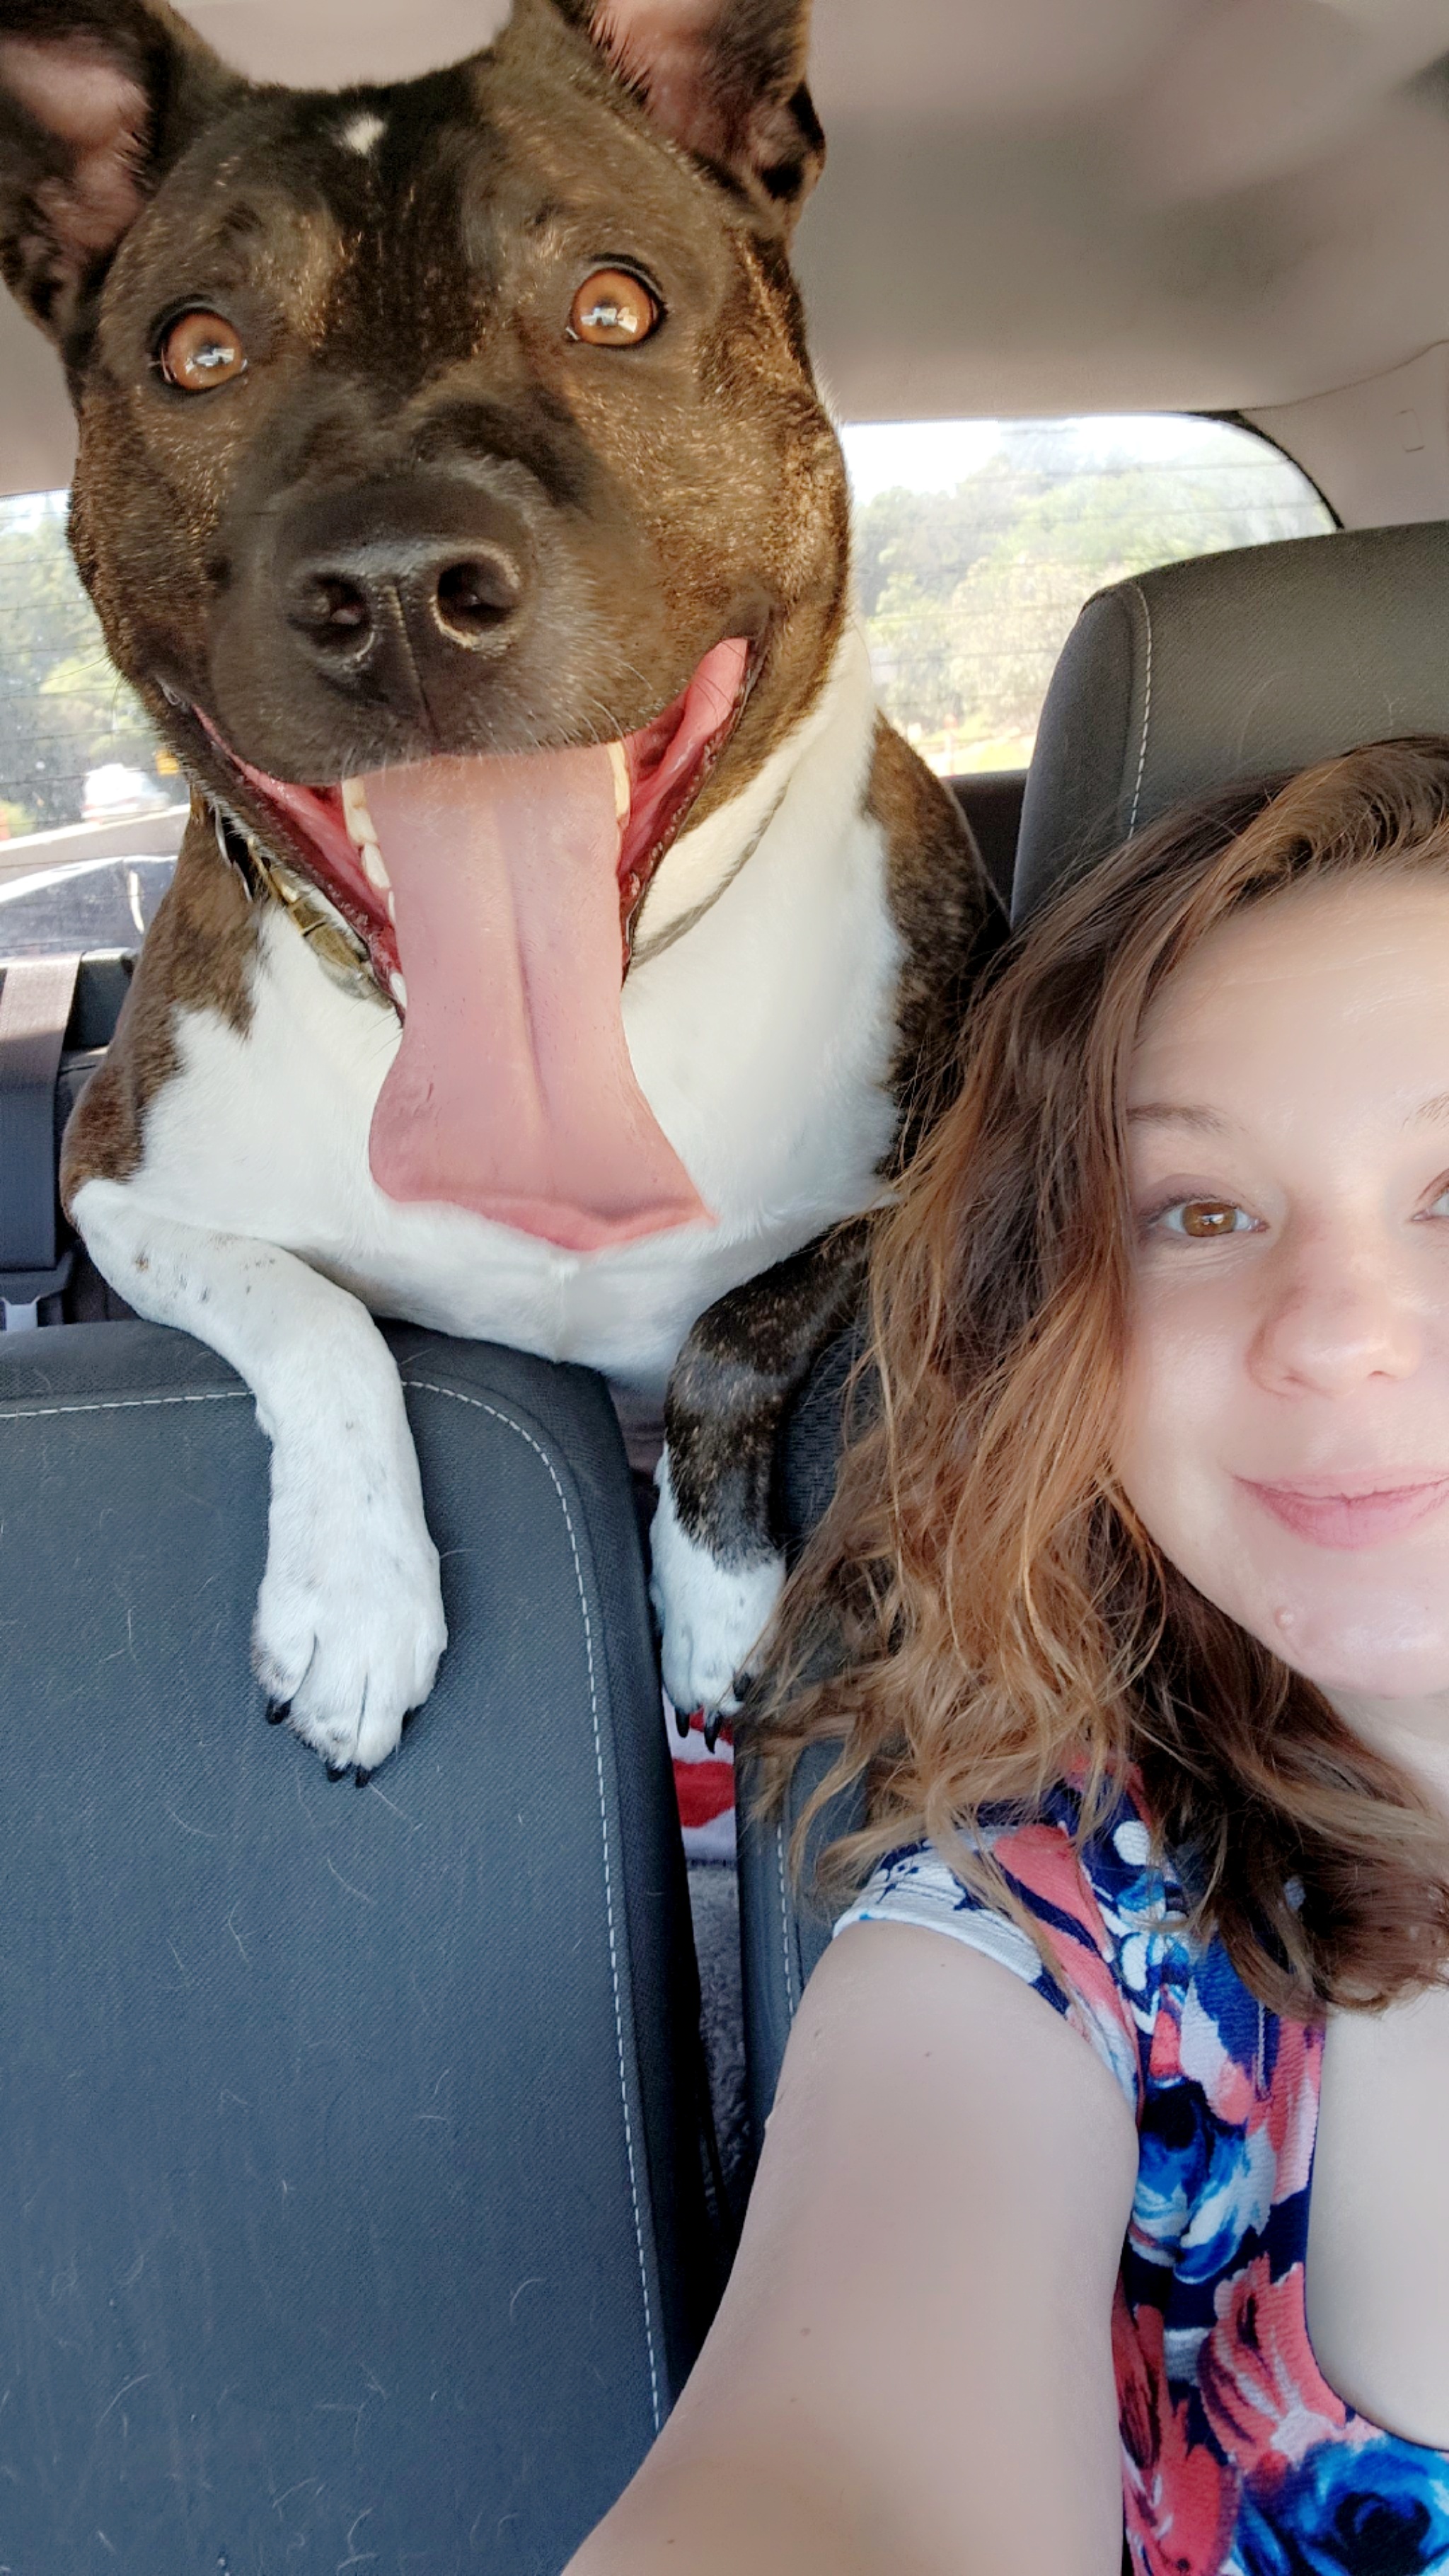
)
(1285, 1426)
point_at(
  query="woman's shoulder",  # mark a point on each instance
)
(1089, 1910)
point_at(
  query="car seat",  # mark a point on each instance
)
(1229, 666)
(355, 2143)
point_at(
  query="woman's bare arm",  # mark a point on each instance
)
(911, 2372)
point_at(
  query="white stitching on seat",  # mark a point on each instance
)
(123, 1404)
(425, 1386)
(791, 1998)
(1146, 711)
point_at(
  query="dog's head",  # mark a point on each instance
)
(427, 423)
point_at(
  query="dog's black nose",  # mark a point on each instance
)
(344, 602)
(387, 589)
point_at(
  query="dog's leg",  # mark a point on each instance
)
(349, 1624)
(717, 1567)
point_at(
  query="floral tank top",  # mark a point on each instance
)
(1237, 2457)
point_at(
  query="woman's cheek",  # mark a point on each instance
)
(1181, 1394)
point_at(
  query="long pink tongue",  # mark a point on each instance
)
(512, 1092)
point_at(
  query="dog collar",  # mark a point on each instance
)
(337, 947)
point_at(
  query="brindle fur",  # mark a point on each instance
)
(748, 1357)
(198, 956)
(697, 487)
(948, 918)
(401, 310)
(734, 1381)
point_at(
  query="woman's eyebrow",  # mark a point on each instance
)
(1428, 1111)
(1168, 1113)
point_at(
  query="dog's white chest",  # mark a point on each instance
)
(762, 1039)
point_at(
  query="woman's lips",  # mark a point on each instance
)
(1353, 1510)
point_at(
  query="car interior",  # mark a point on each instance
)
(379, 2157)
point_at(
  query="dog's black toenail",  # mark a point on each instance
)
(712, 1727)
(338, 1770)
(408, 1715)
(278, 1711)
(361, 1777)
(681, 1724)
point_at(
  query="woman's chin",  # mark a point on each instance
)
(1393, 1645)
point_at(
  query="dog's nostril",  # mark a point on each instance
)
(476, 595)
(333, 611)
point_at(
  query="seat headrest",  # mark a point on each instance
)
(1231, 666)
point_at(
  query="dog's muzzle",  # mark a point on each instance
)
(496, 897)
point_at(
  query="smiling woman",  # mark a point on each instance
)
(1035, 1511)
(1142, 1581)
(1285, 1345)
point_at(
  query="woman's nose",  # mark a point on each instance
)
(1335, 1318)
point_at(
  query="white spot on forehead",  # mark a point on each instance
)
(361, 132)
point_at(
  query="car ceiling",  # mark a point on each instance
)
(1030, 205)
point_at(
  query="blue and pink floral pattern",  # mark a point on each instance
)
(1237, 2457)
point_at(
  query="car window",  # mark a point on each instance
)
(977, 542)
(78, 757)
(75, 743)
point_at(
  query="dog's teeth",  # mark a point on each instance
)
(372, 866)
(398, 989)
(392, 907)
(360, 826)
(623, 794)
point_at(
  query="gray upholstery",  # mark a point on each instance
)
(783, 1928)
(351, 2140)
(1231, 666)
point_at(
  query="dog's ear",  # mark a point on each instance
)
(97, 99)
(726, 79)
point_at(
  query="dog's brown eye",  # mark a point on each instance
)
(613, 311)
(201, 350)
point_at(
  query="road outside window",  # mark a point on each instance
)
(977, 542)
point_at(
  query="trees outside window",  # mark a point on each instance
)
(970, 586)
(65, 713)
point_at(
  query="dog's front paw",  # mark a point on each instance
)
(711, 1615)
(349, 1626)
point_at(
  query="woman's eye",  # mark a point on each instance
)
(1440, 1205)
(1205, 1220)
(613, 310)
(200, 350)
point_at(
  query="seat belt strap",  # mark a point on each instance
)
(36, 998)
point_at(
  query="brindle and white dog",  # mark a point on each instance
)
(561, 948)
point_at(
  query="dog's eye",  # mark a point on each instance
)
(201, 350)
(613, 310)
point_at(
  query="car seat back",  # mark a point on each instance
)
(784, 1928)
(1235, 665)
(353, 2141)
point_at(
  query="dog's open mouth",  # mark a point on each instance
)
(497, 898)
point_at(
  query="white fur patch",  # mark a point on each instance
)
(762, 1040)
(362, 133)
(711, 1616)
(349, 1624)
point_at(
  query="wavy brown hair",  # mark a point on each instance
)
(980, 1614)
